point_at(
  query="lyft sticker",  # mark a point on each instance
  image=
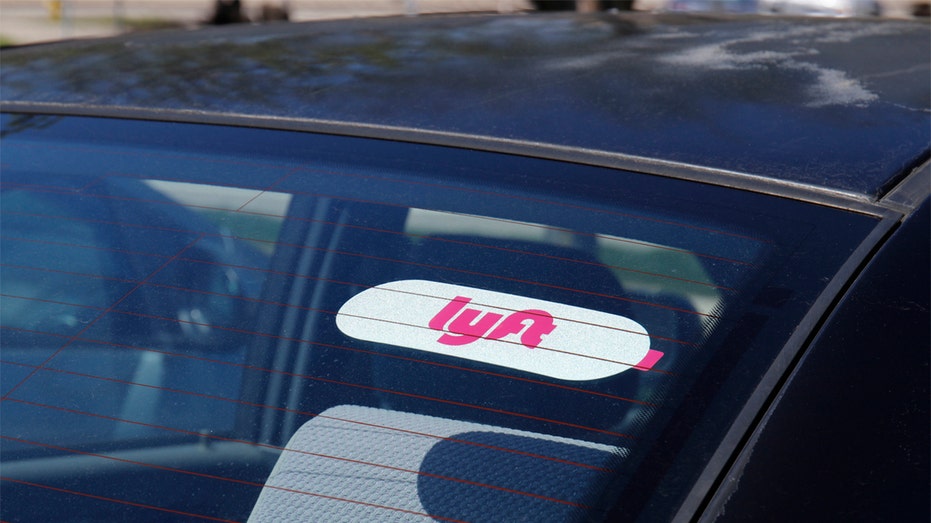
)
(546, 338)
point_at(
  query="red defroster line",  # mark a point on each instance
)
(69, 273)
(327, 345)
(495, 194)
(314, 454)
(309, 309)
(544, 227)
(241, 210)
(486, 275)
(409, 293)
(89, 247)
(284, 177)
(114, 500)
(376, 230)
(102, 314)
(207, 159)
(309, 414)
(324, 311)
(219, 478)
(382, 259)
(138, 153)
(395, 392)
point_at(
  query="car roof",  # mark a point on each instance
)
(842, 106)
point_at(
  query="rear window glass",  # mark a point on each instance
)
(221, 323)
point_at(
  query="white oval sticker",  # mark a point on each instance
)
(542, 337)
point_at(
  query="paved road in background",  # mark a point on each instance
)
(29, 21)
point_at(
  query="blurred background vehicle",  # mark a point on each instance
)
(712, 6)
(859, 8)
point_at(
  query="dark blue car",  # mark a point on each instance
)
(612, 267)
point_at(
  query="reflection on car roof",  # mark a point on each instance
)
(840, 104)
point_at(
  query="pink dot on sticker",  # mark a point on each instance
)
(649, 360)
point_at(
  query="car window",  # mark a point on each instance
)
(186, 306)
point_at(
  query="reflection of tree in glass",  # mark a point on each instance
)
(20, 122)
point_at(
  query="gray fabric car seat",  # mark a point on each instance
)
(355, 463)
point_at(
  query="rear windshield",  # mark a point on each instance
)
(218, 323)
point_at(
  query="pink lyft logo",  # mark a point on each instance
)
(462, 326)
